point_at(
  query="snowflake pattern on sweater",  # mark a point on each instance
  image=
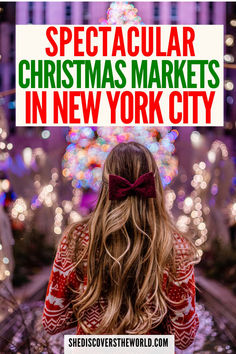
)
(181, 319)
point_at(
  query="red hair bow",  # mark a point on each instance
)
(120, 188)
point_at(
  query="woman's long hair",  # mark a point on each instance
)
(130, 245)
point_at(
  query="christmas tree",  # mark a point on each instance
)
(88, 147)
(121, 13)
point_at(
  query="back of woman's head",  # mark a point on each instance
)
(129, 160)
(130, 244)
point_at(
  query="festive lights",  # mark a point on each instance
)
(233, 22)
(229, 58)
(196, 139)
(229, 40)
(27, 156)
(75, 216)
(19, 210)
(4, 147)
(89, 147)
(229, 85)
(205, 183)
(232, 213)
(121, 13)
(219, 146)
(170, 197)
(4, 185)
(193, 205)
(45, 134)
(58, 220)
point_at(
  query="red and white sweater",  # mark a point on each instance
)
(181, 320)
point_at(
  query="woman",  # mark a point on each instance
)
(125, 270)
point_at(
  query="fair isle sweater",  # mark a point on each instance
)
(180, 320)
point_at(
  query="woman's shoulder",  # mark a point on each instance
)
(74, 239)
(183, 249)
(79, 228)
(181, 243)
(76, 231)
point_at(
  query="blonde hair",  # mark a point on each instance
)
(130, 246)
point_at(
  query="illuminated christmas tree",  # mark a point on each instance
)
(121, 13)
(88, 147)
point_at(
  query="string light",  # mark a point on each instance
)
(19, 209)
(229, 58)
(232, 213)
(47, 196)
(67, 206)
(45, 134)
(4, 185)
(196, 211)
(229, 85)
(196, 139)
(229, 40)
(219, 146)
(27, 156)
(4, 134)
(170, 197)
(75, 216)
(233, 22)
(9, 146)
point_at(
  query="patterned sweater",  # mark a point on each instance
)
(181, 319)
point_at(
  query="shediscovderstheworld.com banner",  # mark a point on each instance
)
(130, 344)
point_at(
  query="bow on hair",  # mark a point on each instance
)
(120, 188)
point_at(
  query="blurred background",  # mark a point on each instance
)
(49, 177)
